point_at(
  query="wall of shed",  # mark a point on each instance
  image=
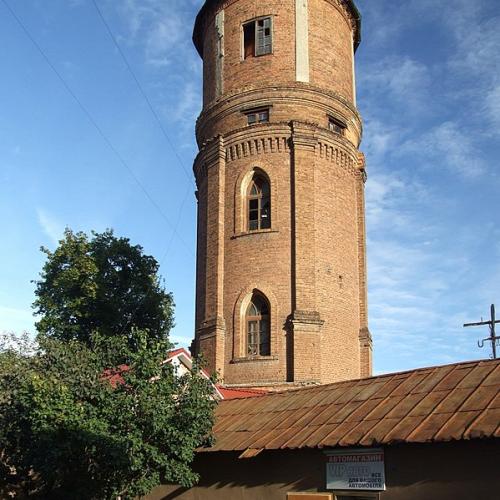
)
(447, 471)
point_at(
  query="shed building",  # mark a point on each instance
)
(434, 430)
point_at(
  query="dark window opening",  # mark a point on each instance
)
(259, 204)
(249, 39)
(336, 125)
(258, 330)
(257, 38)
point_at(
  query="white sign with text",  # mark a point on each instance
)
(355, 470)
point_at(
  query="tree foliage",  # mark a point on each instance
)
(71, 427)
(100, 284)
(91, 410)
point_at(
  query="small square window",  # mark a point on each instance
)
(336, 126)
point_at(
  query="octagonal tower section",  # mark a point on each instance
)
(281, 260)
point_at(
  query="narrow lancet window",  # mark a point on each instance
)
(257, 321)
(259, 204)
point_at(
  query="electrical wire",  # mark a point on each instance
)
(91, 119)
(141, 90)
(167, 251)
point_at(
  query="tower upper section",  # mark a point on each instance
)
(258, 54)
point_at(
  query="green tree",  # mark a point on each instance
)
(100, 284)
(70, 427)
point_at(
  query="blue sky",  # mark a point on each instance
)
(428, 78)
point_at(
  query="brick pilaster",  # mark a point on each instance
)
(210, 329)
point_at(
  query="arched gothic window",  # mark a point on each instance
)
(258, 327)
(259, 204)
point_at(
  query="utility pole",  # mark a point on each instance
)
(492, 338)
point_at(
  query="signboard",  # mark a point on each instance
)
(355, 470)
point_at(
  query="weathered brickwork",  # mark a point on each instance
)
(310, 264)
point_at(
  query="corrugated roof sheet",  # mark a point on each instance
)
(444, 403)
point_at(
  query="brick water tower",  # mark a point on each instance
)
(281, 258)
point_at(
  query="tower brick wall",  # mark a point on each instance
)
(310, 265)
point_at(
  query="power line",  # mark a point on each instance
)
(95, 125)
(141, 90)
(169, 246)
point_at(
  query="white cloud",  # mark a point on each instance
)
(187, 106)
(492, 107)
(447, 146)
(162, 27)
(50, 225)
(397, 77)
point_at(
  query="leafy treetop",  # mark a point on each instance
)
(100, 284)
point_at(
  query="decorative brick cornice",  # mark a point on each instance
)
(338, 156)
(302, 318)
(304, 135)
(251, 147)
(365, 337)
(211, 154)
(210, 327)
(350, 12)
(362, 166)
(277, 138)
(292, 93)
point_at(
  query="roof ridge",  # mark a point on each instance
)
(355, 381)
(423, 368)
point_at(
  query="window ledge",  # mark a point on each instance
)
(250, 233)
(252, 359)
(256, 56)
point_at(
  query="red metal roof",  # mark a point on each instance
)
(175, 352)
(228, 393)
(444, 403)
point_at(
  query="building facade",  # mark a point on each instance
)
(281, 260)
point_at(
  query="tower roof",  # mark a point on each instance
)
(198, 26)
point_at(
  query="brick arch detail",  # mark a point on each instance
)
(240, 307)
(240, 193)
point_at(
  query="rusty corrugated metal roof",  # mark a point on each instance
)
(443, 403)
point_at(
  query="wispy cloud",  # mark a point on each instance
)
(162, 28)
(161, 31)
(492, 107)
(50, 225)
(186, 108)
(447, 146)
(400, 78)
